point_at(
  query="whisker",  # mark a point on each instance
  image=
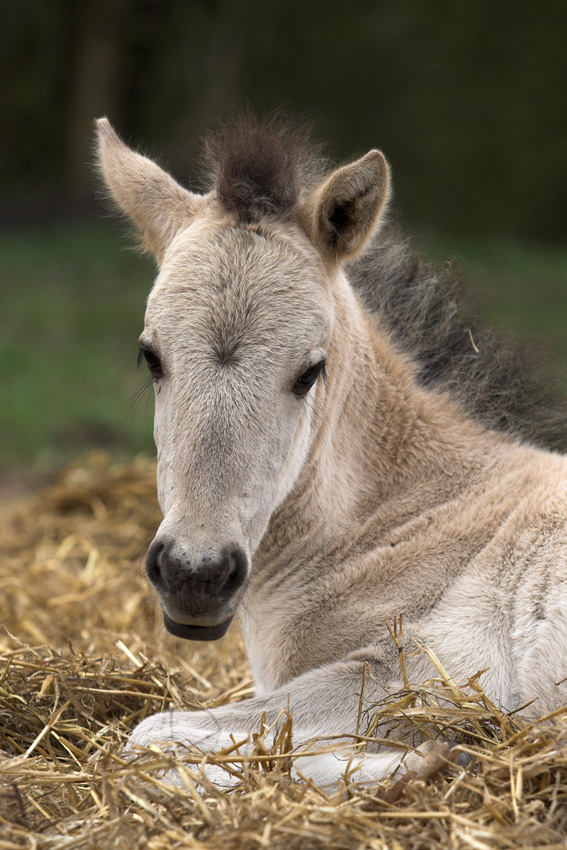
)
(142, 391)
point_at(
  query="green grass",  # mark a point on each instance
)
(72, 309)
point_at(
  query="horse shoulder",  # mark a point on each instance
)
(508, 610)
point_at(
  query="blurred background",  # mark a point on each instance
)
(466, 99)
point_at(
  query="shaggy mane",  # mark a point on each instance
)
(508, 386)
(261, 168)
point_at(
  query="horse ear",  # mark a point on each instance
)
(158, 205)
(343, 212)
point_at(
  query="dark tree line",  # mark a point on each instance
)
(466, 99)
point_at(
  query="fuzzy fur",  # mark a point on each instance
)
(376, 494)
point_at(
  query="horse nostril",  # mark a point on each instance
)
(237, 574)
(153, 567)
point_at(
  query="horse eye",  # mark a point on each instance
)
(153, 361)
(306, 381)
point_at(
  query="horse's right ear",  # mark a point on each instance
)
(343, 212)
(156, 203)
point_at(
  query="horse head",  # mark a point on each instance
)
(239, 337)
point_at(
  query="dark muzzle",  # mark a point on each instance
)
(198, 599)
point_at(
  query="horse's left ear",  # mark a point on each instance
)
(343, 212)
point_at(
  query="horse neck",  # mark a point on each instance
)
(380, 437)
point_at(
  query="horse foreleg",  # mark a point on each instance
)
(327, 713)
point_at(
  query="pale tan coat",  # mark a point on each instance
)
(369, 498)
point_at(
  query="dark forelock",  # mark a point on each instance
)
(260, 168)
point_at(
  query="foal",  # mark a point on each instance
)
(310, 480)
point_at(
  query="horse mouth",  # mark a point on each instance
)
(181, 630)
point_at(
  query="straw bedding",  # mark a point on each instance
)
(82, 659)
